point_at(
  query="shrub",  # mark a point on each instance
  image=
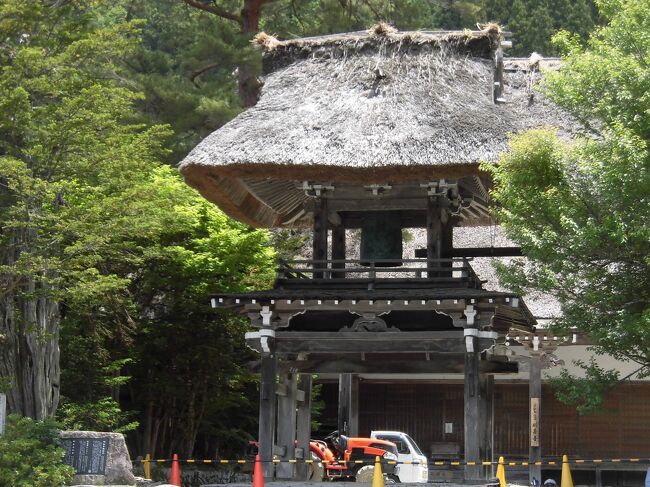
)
(30, 455)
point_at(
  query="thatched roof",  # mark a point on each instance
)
(372, 107)
(542, 306)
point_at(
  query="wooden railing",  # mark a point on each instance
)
(406, 272)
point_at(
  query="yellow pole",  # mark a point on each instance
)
(146, 464)
(567, 481)
(501, 472)
(377, 475)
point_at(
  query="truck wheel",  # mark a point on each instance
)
(316, 469)
(391, 479)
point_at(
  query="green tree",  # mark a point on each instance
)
(532, 27)
(87, 210)
(580, 210)
(184, 65)
(191, 362)
(65, 148)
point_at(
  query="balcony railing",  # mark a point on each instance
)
(375, 274)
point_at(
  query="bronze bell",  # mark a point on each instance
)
(381, 238)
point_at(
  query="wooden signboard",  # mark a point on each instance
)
(534, 421)
(86, 455)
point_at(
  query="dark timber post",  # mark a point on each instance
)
(354, 405)
(286, 425)
(487, 420)
(319, 247)
(267, 413)
(338, 248)
(345, 403)
(535, 395)
(446, 242)
(434, 226)
(303, 420)
(472, 405)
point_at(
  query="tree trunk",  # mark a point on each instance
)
(249, 85)
(29, 338)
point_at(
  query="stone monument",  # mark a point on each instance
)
(98, 458)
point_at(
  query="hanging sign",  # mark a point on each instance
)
(534, 421)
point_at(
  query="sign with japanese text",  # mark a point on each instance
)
(534, 421)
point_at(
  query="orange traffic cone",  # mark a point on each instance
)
(258, 473)
(175, 475)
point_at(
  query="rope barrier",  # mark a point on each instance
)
(523, 463)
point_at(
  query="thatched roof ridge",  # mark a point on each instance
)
(381, 37)
(384, 33)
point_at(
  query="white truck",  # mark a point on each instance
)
(412, 464)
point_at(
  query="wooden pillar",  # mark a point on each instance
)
(487, 421)
(303, 420)
(319, 244)
(446, 242)
(535, 400)
(354, 406)
(439, 236)
(472, 407)
(348, 411)
(338, 248)
(434, 226)
(286, 438)
(267, 413)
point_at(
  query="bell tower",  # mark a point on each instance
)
(370, 133)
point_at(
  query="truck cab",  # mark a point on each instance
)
(412, 464)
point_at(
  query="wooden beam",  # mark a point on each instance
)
(475, 252)
(383, 204)
(485, 252)
(409, 218)
(364, 342)
(440, 364)
(359, 342)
